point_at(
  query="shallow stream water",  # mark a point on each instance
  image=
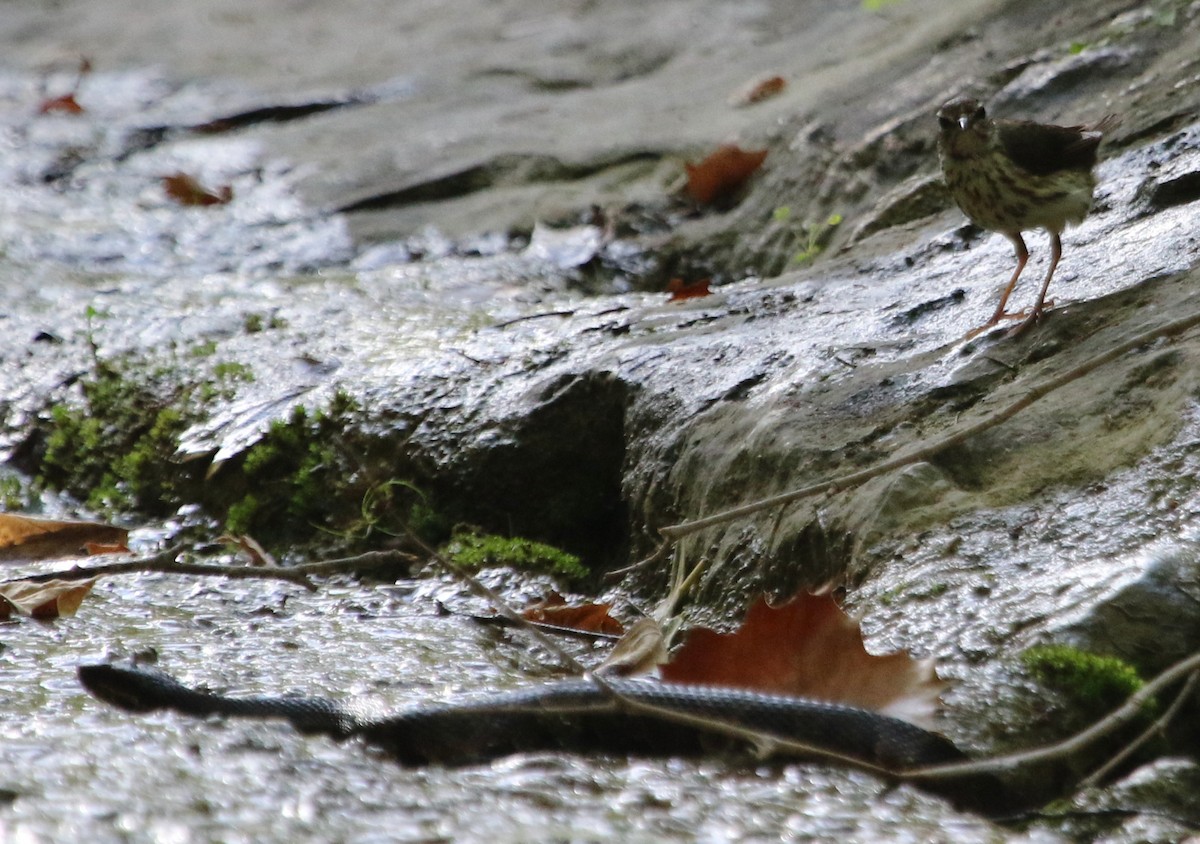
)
(81, 230)
(75, 769)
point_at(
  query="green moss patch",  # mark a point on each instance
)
(1093, 685)
(475, 551)
(114, 445)
(111, 439)
(311, 473)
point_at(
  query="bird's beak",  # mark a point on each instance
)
(963, 121)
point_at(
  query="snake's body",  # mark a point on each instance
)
(573, 715)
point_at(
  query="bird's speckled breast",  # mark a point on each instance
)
(998, 195)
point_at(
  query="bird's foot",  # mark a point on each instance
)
(1026, 313)
(996, 319)
(1032, 318)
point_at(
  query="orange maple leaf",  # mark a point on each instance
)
(810, 648)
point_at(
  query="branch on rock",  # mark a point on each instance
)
(924, 452)
(165, 562)
(1116, 719)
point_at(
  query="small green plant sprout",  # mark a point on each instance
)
(203, 349)
(395, 507)
(817, 235)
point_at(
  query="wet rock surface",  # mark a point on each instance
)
(388, 165)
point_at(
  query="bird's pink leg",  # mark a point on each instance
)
(1036, 313)
(1018, 243)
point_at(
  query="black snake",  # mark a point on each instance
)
(571, 715)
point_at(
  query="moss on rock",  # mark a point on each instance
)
(1092, 684)
(475, 551)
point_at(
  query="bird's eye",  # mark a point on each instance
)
(945, 122)
(979, 114)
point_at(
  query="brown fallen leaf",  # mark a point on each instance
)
(716, 179)
(47, 600)
(66, 104)
(591, 618)
(95, 549)
(758, 90)
(808, 648)
(681, 290)
(28, 538)
(187, 190)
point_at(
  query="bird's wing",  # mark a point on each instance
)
(1043, 149)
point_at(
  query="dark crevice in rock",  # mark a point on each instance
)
(459, 183)
(1154, 129)
(917, 312)
(274, 114)
(503, 169)
(147, 137)
(554, 473)
(1177, 191)
(808, 559)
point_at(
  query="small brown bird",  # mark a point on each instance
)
(1011, 176)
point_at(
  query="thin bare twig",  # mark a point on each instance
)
(1156, 728)
(165, 562)
(1063, 749)
(357, 563)
(925, 452)
(659, 552)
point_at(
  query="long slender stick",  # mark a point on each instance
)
(165, 561)
(1157, 727)
(924, 452)
(1114, 720)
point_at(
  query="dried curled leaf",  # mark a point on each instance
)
(590, 618)
(639, 651)
(187, 190)
(716, 179)
(65, 104)
(27, 538)
(808, 648)
(46, 600)
(758, 90)
(681, 290)
(251, 548)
